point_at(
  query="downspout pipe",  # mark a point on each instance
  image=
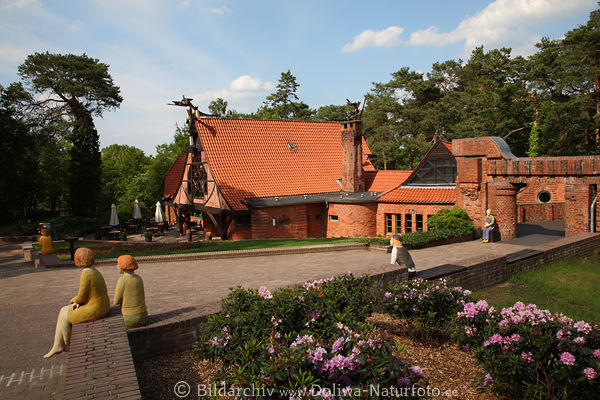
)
(593, 214)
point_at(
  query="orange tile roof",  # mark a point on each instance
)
(448, 145)
(254, 158)
(173, 176)
(381, 181)
(420, 194)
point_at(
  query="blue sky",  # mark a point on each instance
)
(159, 50)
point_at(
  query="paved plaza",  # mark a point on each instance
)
(31, 298)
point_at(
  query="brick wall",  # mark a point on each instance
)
(540, 212)
(403, 210)
(353, 220)
(577, 208)
(490, 270)
(99, 363)
(290, 222)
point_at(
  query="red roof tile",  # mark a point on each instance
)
(173, 176)
(448, 145)
(264, 158)
(416, 194)
(381, 181)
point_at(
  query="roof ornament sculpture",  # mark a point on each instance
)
(353, 110)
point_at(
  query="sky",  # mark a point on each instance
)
(160, 50)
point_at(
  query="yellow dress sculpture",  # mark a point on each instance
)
(129, 293)
(46, 242)
(90, 304)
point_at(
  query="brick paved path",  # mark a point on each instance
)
(31, 298)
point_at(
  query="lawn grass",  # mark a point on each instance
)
(569, 287)
(203, 246)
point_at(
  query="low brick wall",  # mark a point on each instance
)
(99, 363)
(487, 271)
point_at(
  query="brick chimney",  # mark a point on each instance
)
(352, 173)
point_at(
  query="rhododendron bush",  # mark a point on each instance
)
(531, 353)
(309, 341)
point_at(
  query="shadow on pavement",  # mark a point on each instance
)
(548, 228)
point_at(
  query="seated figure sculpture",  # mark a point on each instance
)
(129, 293)
(46, 242)
(90, 304)
(488, 225)
(400, 255)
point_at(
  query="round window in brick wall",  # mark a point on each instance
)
(544, 197)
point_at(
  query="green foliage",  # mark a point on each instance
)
(297, 338)
(284, 102)
(450, 218)
(430, 304)
(420, 239)
(331, 113)
(74, 88)
(523, 343)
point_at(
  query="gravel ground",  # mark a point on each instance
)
(447, 368)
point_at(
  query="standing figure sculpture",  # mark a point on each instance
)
(400, 255)
(129, 293)
(90, 304)
(488, 225)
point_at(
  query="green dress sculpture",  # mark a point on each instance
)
(129, 293)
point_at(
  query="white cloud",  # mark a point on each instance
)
(184, 4)
(219, 11)
(386, 38)
(502, 23)
(243, 94)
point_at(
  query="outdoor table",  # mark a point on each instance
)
(132, 228)
(72, 241)
(152, 230)
(114, 234)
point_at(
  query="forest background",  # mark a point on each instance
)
(547, 104)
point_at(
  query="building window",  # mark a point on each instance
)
(333, 217)
(544, 197)
(284, 220)
(388, 224)
(398, 223)
(407, 223)
(274, 221)
(419, 222)
(243, 220)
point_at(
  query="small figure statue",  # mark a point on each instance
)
(488, 225)
(46, 242)
(129, 293)
(90, 304)
(400, 255)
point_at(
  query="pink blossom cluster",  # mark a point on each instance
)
(316, 283)
(520, 313)
(528, 357)
(300, 340)
(220, 342)
(265, 293)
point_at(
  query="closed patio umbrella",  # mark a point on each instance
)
(114, 217)
(137, 213)
(158, 214)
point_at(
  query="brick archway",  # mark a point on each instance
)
(488, 174)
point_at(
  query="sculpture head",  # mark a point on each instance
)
(127, 263)
(488, 212)
(84, 257)
(44, 231)
(397, 240)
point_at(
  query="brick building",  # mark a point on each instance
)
(272, 179)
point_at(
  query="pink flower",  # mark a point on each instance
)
(596, 353)
(481, 305)
(488, 379)
(337, 344)
(387, 295)
(579, 340)
(527, 357)
(416, 370)
(567, 358)
(582, 326)
(590, 373)
(264, 292)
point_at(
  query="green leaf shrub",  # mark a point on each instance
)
(430, 304)
(530, 353)
(415, 240)
(310, 339)
(450, 218)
